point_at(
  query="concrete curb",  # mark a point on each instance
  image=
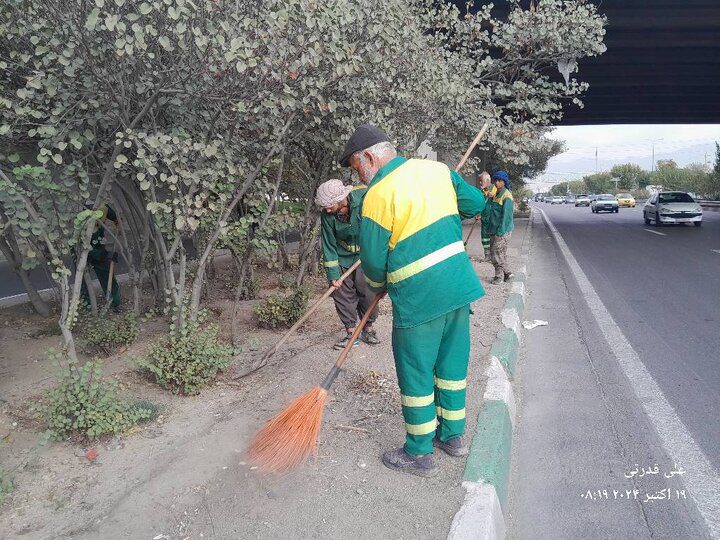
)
(487, 470)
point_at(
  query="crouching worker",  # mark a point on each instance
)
(341, 206)
(99, 259)
(499, 212)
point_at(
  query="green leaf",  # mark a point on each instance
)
(165, 42)
(57, 158)
(91, 21)
(111, 21)
(145, 8)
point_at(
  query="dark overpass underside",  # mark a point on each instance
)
(662, 64)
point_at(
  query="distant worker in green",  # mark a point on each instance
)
(100, 259)
(499, 215)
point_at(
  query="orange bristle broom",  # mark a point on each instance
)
(287, 440)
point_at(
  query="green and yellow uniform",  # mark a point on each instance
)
(340, 239)
(499, 213)
(489, 193)
(411, 243)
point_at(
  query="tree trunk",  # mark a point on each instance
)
(12, 253)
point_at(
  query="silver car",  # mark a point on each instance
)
(672, 207)
(604, 203)
(582, 200)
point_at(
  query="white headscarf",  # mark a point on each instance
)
(331, 192)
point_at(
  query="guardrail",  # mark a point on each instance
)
(709, 204)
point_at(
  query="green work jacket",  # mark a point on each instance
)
(340, 240)
(499, 212)
(411, 239)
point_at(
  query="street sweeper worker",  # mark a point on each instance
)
(411, 245)
(340, 231)
(499, 215)
(488, 190)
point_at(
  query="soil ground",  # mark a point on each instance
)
(186, 474)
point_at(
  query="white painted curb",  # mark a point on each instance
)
(498, 387)
(480, 516)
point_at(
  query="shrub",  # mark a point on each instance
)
(282, 310)
(84, 403)
(106, 333)
(185, 360)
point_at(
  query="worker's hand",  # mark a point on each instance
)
(115, 257)
(477, 218)
(337, 283)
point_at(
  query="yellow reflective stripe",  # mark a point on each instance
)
(450, 415)
(444, 384)
(421, 429)
(420, 401)
(352, 248)
(374, 284)
(426, 262)
(330, 264)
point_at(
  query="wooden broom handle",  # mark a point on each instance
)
(472, 146)
(359, 328)
(309, 312)
(335, 371)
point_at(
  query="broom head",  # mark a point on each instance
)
(287, 440)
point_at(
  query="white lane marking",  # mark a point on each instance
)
(656, 232)
(701, 479)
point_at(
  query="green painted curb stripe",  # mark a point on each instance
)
(505, 348)
(489, 457)
(515, 301)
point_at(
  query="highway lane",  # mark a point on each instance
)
(662, 287)
(582, 423)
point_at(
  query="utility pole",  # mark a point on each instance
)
(596, 161)
(653, 162)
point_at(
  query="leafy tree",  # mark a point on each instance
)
(599, 183)
(629, 175)
(195, 119)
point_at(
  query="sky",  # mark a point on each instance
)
(618, 144)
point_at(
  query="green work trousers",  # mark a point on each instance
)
(431, 360)
(102, 271)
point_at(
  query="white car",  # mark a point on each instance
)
(582, 200)
(604, 203)
(556, 200)
(672, 207)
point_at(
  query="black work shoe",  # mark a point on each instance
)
(497, 280)
(344, 341)
(456, 446)
(509, 276)
(400, 460)
(369, 337)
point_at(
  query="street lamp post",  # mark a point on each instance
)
(653, 152)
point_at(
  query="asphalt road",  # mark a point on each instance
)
(582, 425)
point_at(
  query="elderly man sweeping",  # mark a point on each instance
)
(411, 244)
(340, 231)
